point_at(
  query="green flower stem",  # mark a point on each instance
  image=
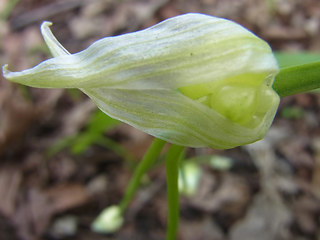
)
(146, 162)
(297, 79)
(172, 171)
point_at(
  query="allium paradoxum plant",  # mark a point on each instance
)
(192, 80)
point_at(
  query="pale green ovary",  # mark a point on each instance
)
(244, 99)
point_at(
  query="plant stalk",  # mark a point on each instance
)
(172, 171)
(297, 79)
(144, 165)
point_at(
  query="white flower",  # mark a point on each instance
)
(192, 80)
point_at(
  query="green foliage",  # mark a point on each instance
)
(97, 126)
(5, 13)
(292, 59)
(292, 112)
(299, 73)
(298, 79)
(94, 133)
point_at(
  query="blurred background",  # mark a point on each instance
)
(62, 161)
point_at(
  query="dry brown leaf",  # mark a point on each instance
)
(66, 196)
(33, 215)
(267, 219)
(37, 207)
(201, 229)
(231, 196)
(10, 180)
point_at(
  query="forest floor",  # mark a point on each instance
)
(58, 170)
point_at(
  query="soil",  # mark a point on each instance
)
(52, 186)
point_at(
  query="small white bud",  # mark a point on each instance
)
(109, 220)
(189, 177)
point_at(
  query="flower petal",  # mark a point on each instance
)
(181, 51)
(54, 45)
(175, 118)
(193, 80)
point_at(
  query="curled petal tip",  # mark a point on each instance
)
(46, 24)
(55, 47)
(5, 70)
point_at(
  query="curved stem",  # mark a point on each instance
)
(146, 162)
(297, 79)
(172, 171)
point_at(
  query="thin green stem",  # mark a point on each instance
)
(146, 162)
(297, 79)
(172, 171)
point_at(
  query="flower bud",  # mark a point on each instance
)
(189, 178)
(192, 80)
(109, 220)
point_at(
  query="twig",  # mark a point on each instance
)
(45, 12)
